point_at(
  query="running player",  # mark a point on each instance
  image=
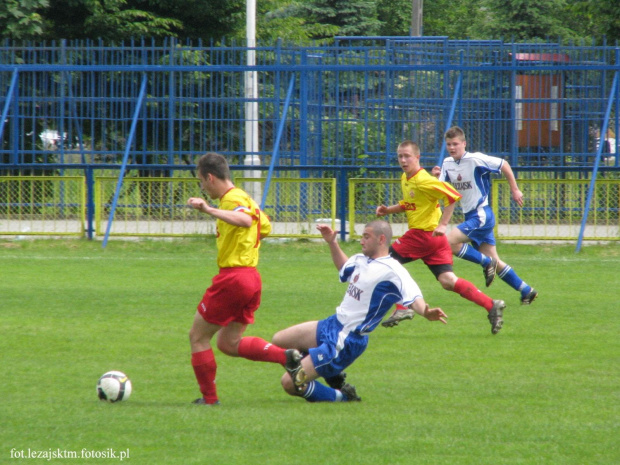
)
(469, 173)
(229, 304)
(425, 239)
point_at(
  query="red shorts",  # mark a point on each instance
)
(418, 244)
(234, 295)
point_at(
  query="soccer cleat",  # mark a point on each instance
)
(202, 401)
(336, 382)
(398, 316)
(529, 297)
(293, 367)
(349, 393)
(490, 271)
(495, 315)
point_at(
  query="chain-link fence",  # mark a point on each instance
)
(152, 207)
(157, 206)
(43, 205)
(553, 209)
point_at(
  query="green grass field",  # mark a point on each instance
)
(545, 390)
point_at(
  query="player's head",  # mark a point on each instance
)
(409, 156)
(455, 132)
(214, 174)
(215, 164)
(455, 142)
(376, 239)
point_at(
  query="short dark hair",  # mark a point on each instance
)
(215, 164)
(412, 144)
(454, 132)
(381, 227)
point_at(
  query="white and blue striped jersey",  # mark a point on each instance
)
(471, 177)
(375, 285)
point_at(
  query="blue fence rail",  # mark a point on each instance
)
(541, 106)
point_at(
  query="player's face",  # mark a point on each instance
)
(371, 243)
(408, 160)
(456, 147)
(206, 185)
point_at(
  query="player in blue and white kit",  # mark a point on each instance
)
(376, 282)
(469, 173)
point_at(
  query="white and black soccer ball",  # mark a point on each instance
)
(114, 386)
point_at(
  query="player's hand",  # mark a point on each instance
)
(436, 171)
(517, 196)
(435, 314)
(440, 230)
(329, 235)
(198, 203)
(382, 210)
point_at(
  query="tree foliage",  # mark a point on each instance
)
(283, 19)
(394, 17)
(309, 20)
(598, 19)
(338, 17)
(524, 20)
(22, 19)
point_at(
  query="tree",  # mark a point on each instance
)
(202, 19)
(456, 20)
(351, 17)
(524, 20)
(598, 19)
(110, 20)
(22, 19)
(281, 19)
(395, 17)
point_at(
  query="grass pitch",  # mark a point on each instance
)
(545, 390)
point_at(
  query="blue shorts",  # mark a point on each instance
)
(331, 357)
(478, 226)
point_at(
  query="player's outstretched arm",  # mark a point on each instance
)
(383, 210)
(331, 237)
(432, 314)
(236, 218)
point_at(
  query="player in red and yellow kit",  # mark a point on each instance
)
(422, 194)
(229, 304)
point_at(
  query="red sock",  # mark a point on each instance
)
(470, 292)
(259, 350)
(205, 368)
(400, 307)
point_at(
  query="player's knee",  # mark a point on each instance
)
(228, 347)
(447, 281)
(288, 386)
(194, 336)
(277, 340)
(456, 247)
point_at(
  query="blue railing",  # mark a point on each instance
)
(538, 105)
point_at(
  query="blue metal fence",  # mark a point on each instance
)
(153, 108)
(538, 105)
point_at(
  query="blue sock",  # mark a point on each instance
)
(317, 392)
(511, 278)
(470, 254)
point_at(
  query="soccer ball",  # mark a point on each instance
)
(114, 386)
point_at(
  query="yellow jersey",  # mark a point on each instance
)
(238, 246)
(421, 195)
